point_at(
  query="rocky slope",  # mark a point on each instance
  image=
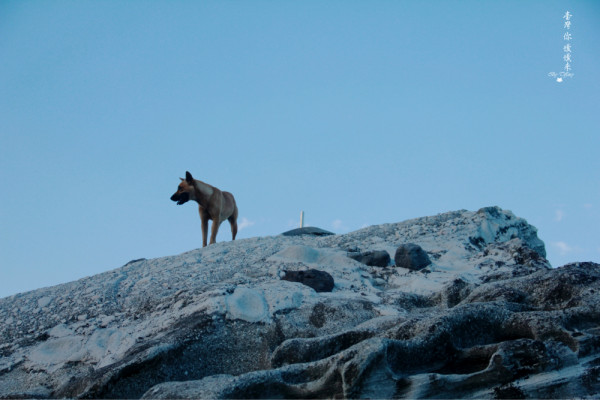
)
(486, 318)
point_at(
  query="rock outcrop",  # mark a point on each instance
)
(487, 318)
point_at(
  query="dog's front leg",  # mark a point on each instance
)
(204, 219)
(214, 229)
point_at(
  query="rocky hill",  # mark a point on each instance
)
(465, 306)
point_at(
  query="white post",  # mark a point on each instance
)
(301, 219)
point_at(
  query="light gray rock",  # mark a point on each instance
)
(487, 318)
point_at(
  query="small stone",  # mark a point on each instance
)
(44, 301)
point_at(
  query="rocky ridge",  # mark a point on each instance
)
(486, 318)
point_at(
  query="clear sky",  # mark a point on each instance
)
(357, 112)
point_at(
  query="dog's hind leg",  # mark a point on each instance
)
(233, 221)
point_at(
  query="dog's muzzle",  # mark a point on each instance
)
(181, 198)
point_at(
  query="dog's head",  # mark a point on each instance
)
(185, 190)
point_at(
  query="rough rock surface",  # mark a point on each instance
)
(488, 318)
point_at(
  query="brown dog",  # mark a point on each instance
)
(214, 204)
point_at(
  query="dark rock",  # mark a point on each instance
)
(509, 391)
(308, 230)
(408, 301)
(375, 258)
(134, 261)
(411, 256)
(478, 242)
(321, 281)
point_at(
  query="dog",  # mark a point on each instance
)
(214, 204)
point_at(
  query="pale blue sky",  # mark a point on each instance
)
(357, 112)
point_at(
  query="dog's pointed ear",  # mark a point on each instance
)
(188, 177)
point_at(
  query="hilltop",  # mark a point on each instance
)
(485, 316)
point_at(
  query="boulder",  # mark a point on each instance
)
(411, 256)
